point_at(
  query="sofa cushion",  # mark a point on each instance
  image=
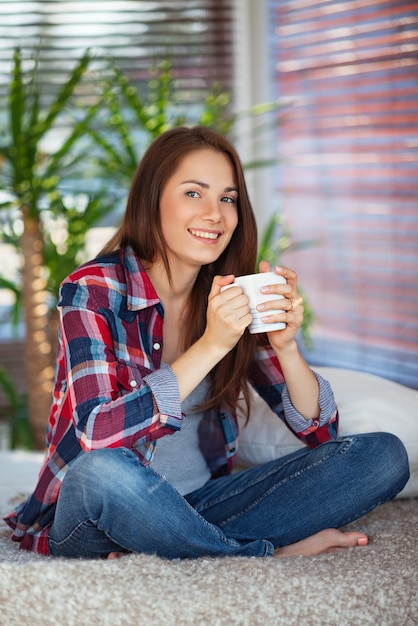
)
(366, 403)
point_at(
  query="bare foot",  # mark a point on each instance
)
(324, 541)
(115, 555)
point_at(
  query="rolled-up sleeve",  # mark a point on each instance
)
(165, 389)
(327, 406)
(269, 382)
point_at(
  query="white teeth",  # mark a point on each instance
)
(204, 235)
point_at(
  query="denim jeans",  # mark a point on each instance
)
(109, 501)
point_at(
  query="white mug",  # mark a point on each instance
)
(251, 285)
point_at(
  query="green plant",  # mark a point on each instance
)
(16, 414)
(131, 120)
(31, 178)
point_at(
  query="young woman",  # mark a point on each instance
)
(152, 358)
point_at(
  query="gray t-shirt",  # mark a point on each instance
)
(178, 456)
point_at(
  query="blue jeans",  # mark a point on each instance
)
(109, 501)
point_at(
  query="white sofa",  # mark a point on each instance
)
(366, 403)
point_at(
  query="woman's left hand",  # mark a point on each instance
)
(291, 305)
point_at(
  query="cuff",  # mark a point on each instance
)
(327, 406)
(165, 389)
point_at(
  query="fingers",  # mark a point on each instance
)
(232, 305)
(293, 303)
(287, 307)
(289, 303)
(264, 266)
(289, 274)
(228, 312)
(219, 282)
(288, 291)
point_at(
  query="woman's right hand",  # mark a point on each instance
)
(228, 314)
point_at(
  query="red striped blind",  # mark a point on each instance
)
(349, 177)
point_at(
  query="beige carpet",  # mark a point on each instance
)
(376, 585)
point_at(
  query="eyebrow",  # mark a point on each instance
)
(205, 185)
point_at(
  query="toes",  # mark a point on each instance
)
(354, 539)
(115, 555)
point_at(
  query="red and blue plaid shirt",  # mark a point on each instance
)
(110, 390)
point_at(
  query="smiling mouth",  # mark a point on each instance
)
(204, 235)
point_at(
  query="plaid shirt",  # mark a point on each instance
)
(110, 390)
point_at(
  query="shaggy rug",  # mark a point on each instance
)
(374, 585)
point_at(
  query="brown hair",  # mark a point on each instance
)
(141, 229)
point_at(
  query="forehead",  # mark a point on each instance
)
(206, 162)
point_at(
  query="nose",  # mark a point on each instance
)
(213, 211)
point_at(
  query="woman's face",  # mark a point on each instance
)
(198, 209)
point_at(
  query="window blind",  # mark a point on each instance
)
(349, 178)
(196, 36)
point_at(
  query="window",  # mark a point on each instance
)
(196, 36)
(349, 179)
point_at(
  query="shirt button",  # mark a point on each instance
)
(156, 346)
(133, 383)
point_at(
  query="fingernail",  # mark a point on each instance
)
(261, 307)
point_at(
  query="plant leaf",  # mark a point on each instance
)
(67, 91)
(79, 129)
(17, 99)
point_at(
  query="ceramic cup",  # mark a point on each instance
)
(251, 285)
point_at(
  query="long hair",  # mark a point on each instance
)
(141, 229)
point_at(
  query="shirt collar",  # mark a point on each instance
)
(141, 293)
